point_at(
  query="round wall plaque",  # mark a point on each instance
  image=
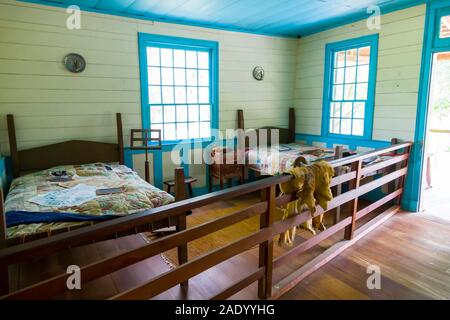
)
(74, 62)
(258, 73)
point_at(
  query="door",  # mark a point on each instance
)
(436, 175)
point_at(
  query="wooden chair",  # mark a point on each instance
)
(188, 182)
(222, 170)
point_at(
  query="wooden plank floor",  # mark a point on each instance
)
(412, 250)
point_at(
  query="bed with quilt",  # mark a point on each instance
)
(66, 197)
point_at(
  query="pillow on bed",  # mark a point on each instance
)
(94, 169)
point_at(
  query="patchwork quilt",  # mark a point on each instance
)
(131, 194)
(280, 158)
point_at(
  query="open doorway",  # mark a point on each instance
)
(436, 189)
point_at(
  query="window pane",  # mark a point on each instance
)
(351, 57)
(191, 77)
(180, 94)
(361, 91)
(363, 73)
(335, 111)
(169, 131)
(179, 58)
(349, 92)
(339, 59)
(192, 95)
(339, 76)
(169, 114)
(182, 131)
(358, 110)
(193, 113)
(153, 56)
(445, 27)
(364, 55)
(156, 114)
(346, 126)
(154, 94)
(346, 110)
(194, 130)
(182, 114)
(167, 94)
(203, 95)
(154, 76)
(205, 129)
(334, 125)
(350, 75)
(167, 57)
(337, 92)
(167, 76)
(358, 127)
(203, 60)
(158, 127)
(203, 78)
(205, 113)
(180, 77)
(191, 59)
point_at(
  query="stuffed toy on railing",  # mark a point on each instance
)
(311, 185)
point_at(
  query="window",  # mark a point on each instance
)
(179, 86)
(349, 87)
(444, 30)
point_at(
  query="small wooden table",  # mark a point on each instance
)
(145, 141)
(188, 181)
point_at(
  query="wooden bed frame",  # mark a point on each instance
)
(285, 135)
(74, 152)
(265, 209)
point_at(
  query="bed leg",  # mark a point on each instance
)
(180, 194)
(4, 274)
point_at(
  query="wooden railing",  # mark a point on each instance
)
(394, 169)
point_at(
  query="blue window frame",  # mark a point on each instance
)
(179, 86)
(442, 27)
(349, 88)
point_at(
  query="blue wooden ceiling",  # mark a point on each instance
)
(275, 17)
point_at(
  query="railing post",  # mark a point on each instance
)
(338, 154)
(402, 179)
(266, 248)
(354, 184)
(180, 194)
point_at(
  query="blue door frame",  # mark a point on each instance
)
(432, 44)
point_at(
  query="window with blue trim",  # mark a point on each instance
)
(349, 87)
(179, 86)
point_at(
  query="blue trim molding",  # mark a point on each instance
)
(330, 50)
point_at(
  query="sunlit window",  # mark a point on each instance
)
(179, 90)
(350, 82)
(445, 27)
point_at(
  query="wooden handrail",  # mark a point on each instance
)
(263, 237)
(91, 233)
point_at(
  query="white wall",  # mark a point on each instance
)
(51, 104)
(399, 60)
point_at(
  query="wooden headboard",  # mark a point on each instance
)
(285, 135)
(71, 152)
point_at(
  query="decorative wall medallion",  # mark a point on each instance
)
(258, 73)
(74, 62)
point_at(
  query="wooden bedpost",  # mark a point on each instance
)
(120, 137)
(4, 276)
(240, 119)
(13, 145)
(180, 194)
(291, 125)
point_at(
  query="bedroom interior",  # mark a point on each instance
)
(283, 149)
